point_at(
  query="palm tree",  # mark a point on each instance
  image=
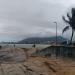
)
(70, 21)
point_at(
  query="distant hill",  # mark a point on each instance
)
(41, 40)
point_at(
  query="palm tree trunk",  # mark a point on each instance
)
(72, 36)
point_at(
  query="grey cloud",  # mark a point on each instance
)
(27, 18)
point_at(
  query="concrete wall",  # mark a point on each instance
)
(57, 51)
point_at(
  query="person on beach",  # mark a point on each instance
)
(14, 45)
(34, 45)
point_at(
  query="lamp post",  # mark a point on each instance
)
(56, 32)
(56, 41)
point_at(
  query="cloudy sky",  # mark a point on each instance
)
(27, 18)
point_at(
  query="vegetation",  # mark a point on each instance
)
(70, 21)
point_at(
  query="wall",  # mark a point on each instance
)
(57, 51)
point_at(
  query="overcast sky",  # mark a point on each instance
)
(27, 18)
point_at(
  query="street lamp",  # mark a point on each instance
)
(56, 32)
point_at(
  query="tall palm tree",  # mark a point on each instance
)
(70, 21)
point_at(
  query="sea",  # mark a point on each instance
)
(24, 45)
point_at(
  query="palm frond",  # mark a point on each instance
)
(69, 17)
(65, 29)
(73, 12)
(65, 20)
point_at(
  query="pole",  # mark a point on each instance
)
(56, 32)
(56, 41)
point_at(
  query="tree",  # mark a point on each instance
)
(70, 21)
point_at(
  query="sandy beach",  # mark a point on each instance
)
(18, 61)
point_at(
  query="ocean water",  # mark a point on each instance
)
(24, 45)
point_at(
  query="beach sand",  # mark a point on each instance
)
(18, 61)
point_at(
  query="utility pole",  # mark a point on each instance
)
(56, 32)
(56, 52)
